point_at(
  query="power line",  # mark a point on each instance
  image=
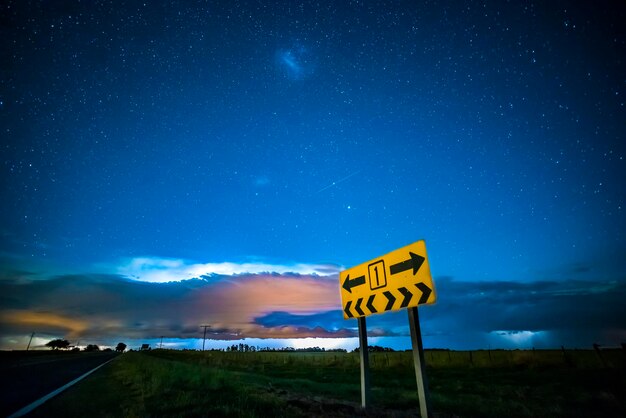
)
(204, 338)
(29, 341)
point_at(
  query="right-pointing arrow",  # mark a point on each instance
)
(426, 291)
(391, 298)
(413, 263)
(407, 296)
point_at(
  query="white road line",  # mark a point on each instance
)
(38, 402)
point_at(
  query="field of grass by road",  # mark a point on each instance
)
(480, 383)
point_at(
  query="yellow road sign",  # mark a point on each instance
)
(397, 280)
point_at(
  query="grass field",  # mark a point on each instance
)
(575, 383)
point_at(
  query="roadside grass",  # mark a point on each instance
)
(529, 392)
(137, 385)
(493, 384)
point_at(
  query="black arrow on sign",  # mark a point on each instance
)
(407, 296)
(415, 262)
(349, 284)
(391, 298)
(347, 310)
(357, 307)
(369, 305)
(426, 291)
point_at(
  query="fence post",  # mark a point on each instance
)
(596, 347)
(566, 358)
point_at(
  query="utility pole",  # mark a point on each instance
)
(29, 341)
(161, 345)
(204, 338)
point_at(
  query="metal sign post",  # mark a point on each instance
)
(365, 363)
(418, 361)
(397, 280)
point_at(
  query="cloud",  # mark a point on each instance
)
(289, 305)
(501, 313)
(54, 322)
(162, 270)
(81, 306)
(572, 312)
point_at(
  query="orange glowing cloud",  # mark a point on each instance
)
(234, 304)
(107, 305)
(70, 326)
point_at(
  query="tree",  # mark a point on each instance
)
(58, 343)
(92, 347)
(120, 347)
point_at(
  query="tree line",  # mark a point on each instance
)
(245, 348)
(61, 344)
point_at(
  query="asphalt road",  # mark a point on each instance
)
(26, 377)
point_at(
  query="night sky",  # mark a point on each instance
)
(168, 165)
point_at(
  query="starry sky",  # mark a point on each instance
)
(168, 165)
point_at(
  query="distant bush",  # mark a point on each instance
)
(58, 343)
(375, 349)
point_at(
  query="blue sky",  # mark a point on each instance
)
(267, 144)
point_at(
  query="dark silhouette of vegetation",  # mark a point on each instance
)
(58, 343)
(376, 349)
(245, 348)
(120, 347)
(92, 347)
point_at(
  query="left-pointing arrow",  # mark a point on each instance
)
(347, 310)
(349, 284)
(357, 307)
(415, 262)
(370, 304)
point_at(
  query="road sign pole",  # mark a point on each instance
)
(418, 361)
(365, 365)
